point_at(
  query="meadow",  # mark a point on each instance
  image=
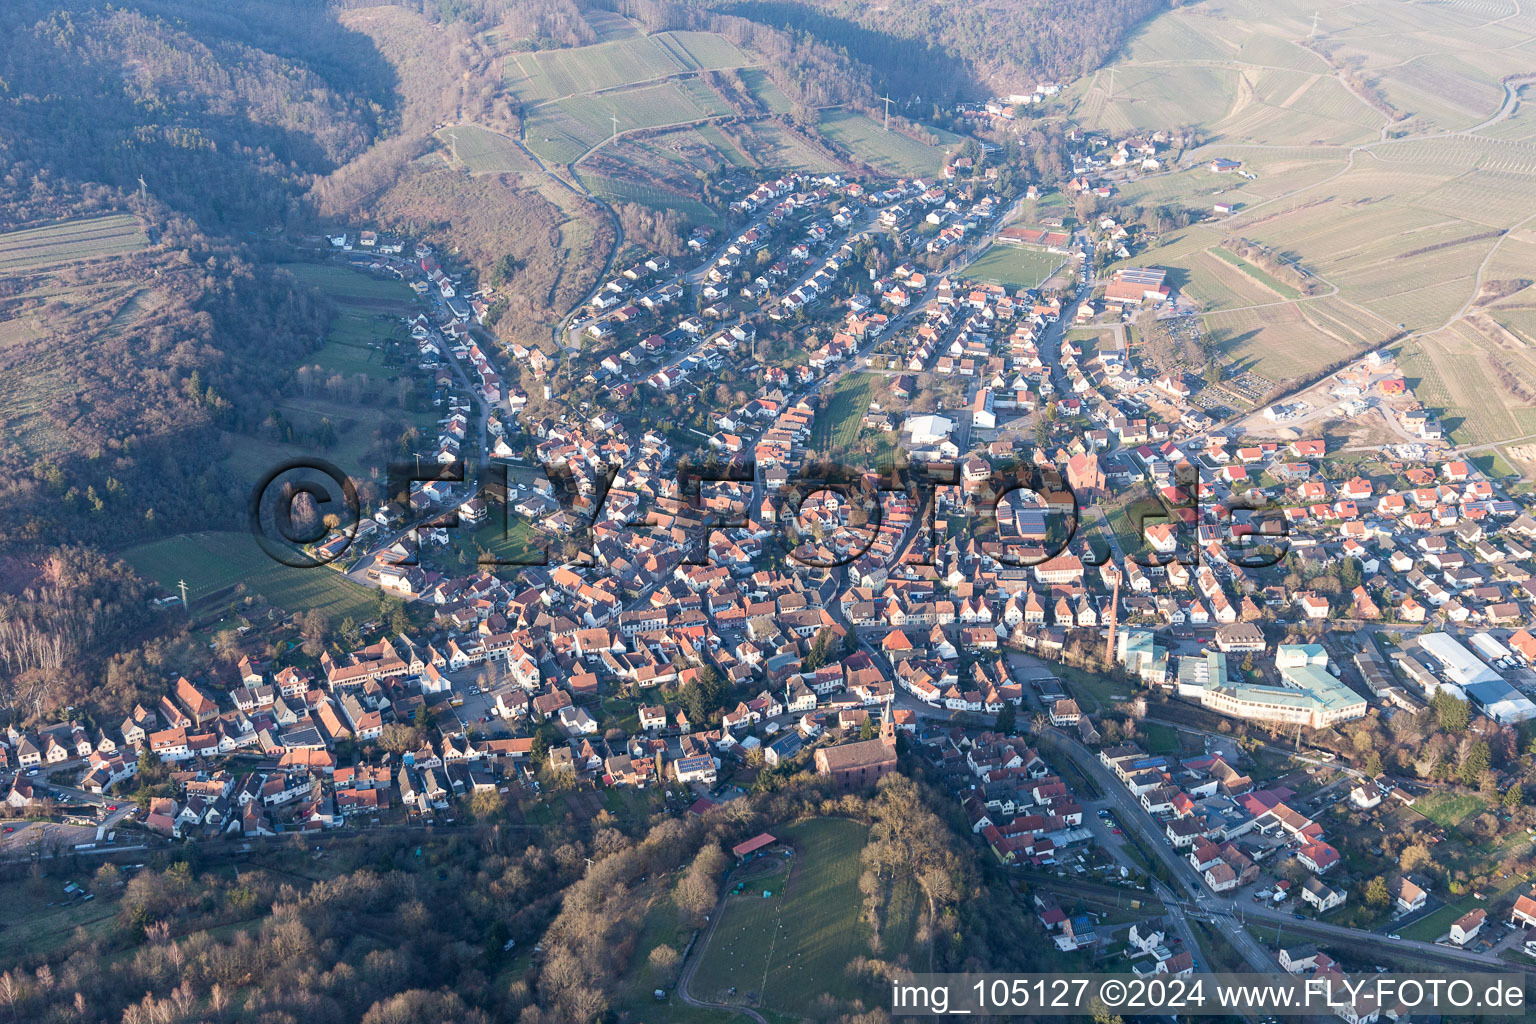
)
(837, 428)
(484, 152)
(363, 331)
(216, 564)
(776, 147)
(794, 946)
(70, 241)
(351, 287)
(890, 152)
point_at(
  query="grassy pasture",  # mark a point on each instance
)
(649, 195)
(211, 562)
(723, 145)
(1260, 275)
(794, 946)
(706, 50)
(514, 540)
(765, 91)
(887, 151)
(364, 324)
(69, 242)
(31, 924)
(1448, 809)
(354, 287)
(776, 147)
(837, 429)
(610, 25)
(484, 152)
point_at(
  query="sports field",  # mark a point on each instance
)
(214, 563)
(793, 946)
(70, 241)
(1015, 266)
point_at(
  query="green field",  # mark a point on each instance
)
(357, 380)
(31, 923)
(776, 147)
(515, 540)
(1449, 809)
(213, 562)
(837, 427)
(354, 287)
(650, 195)
(890, 152)
(791, 948)
(70, 241)
(1161, 739)
(552, 74)
(1015, 266)
(766, 91)
(484, 152)
(1398, 216)
(563, 131)
(1265, 278)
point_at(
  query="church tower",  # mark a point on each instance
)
(888, 727)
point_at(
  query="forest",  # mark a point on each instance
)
(940, 50)
(223, 117)
(397, 929)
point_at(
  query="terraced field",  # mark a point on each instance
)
(551, 74)
(1399, 216)
(562, 132)
(70, 241)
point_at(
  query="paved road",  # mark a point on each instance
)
(1132, 816)
(1228, 914)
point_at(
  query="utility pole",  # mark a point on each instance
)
(1314, 26)
(615, 120)
(1111, 83)
(888, 102)
(182, 586)
(453, 145)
